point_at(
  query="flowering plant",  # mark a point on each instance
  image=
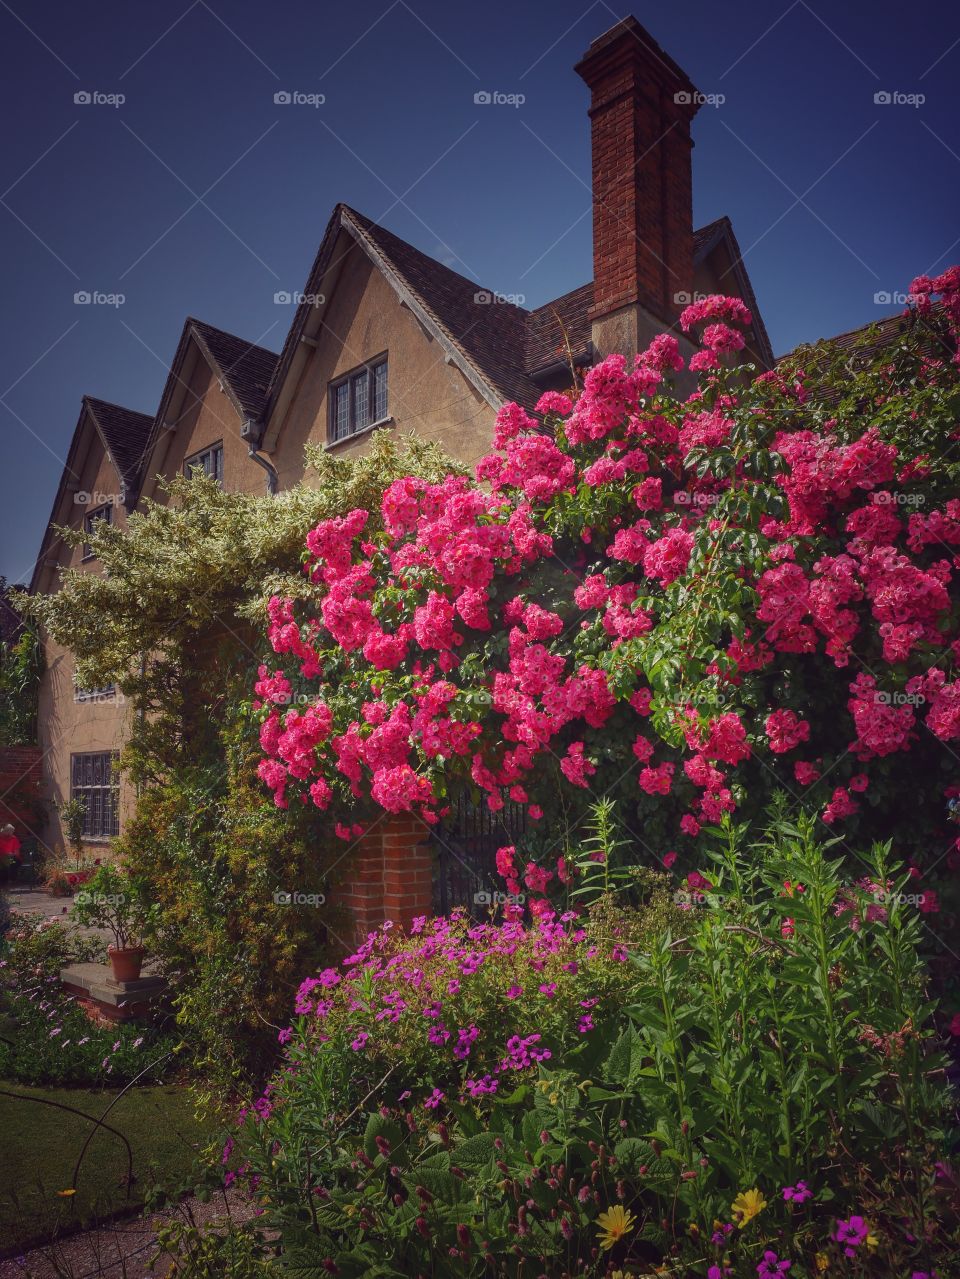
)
(749, 1104)
(684, 604)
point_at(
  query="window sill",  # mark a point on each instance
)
(358, 435)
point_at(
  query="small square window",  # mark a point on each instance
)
(208, 462)
(358, 400)
(89, 522)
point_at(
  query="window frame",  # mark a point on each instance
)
(365, 372)
(107, 826)
(102, 512)
(196, 459)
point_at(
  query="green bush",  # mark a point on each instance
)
(765, 1082)
(47, 1037)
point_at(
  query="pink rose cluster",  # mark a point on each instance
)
(499, 633)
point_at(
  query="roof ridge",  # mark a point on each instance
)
(215, 328)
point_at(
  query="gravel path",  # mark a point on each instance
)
(122, 1250)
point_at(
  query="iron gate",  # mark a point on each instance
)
(467, 841)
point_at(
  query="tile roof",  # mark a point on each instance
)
(125, 433)
(246, 367)
(870, 339)
(555, 325)
(491, 334)
(505, 344)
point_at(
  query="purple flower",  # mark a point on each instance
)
(798, 1194)
(851, 1233)
(358, 1043)
(285, 1036)
(434, 1100)
(771, 1267)
(514, 992)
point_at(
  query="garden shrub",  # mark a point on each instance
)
(683, 604)
(49, 1039)
(758, 1084)
(211, 858)
(209, 850)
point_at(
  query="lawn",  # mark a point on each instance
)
(41, 1144)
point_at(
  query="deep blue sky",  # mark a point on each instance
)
(201, 196)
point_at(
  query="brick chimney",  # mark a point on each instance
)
(641, 107)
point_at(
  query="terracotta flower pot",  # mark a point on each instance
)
(126, 963)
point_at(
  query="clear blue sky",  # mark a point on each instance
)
(199, 195)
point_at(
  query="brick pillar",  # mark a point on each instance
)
(20, 787)
(407, 869)
(641, 107)
(390, 875)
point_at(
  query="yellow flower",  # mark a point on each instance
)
(747, 1204)
(613, 1225)
(871, 1240)
(821, 1261)
(65, 1194)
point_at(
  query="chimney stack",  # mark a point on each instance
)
(641, 107)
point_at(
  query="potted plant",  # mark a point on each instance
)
(106, 900)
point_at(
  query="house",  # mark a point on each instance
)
(386, 338)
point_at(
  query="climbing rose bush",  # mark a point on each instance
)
(685, 603)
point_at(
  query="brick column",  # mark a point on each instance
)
(390, 875)
(407, 869)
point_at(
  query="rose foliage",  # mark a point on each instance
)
(683, 603)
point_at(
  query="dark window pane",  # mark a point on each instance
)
(361, 401)
(341, 422)
(380, 391)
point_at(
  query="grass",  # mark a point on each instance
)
(41, 1145)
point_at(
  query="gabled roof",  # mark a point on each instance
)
(243, 368)
(490, 333)
(124, 433)
(498, 345)
(864, 345)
